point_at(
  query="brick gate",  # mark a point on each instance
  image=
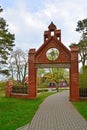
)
(53, 53)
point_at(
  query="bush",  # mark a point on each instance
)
(42, 90)
(2, 85)
(2, 88)
(17, 83)
(83, 77)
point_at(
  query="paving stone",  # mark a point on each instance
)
(57, 113)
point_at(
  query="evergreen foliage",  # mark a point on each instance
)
(83, 77)
(82, 44)
(6, 45)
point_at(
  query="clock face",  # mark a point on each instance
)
(52, 54)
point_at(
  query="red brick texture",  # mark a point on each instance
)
(65, 57)
(32, 75)
(9, 93)
(74, 75)
(9, 85)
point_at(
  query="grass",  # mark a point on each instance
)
(81, 106)
(15, 113)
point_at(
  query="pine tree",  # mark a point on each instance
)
(82, 28)
(82, 44)
(6, 45)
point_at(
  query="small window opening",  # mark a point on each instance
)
(46, 38)
(52, 33)
(58, 38)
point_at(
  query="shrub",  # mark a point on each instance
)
(83, 77)
(2, 85)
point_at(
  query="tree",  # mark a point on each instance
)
(18, 62)
(82, 44)
(57, 75)
(83, 77)
(6, 45)
(83, 51)
(41, 77)
(82, 26)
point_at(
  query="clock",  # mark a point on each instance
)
(52, 54)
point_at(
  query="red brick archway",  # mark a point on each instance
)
(66, 59)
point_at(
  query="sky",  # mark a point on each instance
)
(28, 19)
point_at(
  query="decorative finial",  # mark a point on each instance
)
(52, 26)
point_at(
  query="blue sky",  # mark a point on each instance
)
(28, 19)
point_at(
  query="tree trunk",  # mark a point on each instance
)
(57, 87)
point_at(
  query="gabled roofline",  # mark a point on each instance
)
(60, 44)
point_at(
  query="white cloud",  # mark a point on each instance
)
(29, 25)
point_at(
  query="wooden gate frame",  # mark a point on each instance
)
(67, 59)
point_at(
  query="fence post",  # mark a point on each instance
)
(9, 86)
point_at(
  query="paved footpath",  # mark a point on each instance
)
(57, 113)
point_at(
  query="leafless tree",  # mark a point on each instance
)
(18, 62)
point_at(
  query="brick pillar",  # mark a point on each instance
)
(74, 75)
(32, 75)
(9, 86)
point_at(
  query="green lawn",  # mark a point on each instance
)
(81, 106)
(15, 113)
